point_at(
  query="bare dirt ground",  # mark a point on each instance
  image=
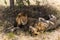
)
(5, 21)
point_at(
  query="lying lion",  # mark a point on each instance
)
(21, 19)
(35, 25)
(38, 27)
(41, 25)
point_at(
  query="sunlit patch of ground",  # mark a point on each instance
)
(54, 35)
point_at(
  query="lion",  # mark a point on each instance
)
(39, 26)
(21, 19)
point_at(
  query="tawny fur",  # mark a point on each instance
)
(40, 26)
(21, 19)
(36, 25)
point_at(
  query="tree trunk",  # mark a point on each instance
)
(11, 3)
